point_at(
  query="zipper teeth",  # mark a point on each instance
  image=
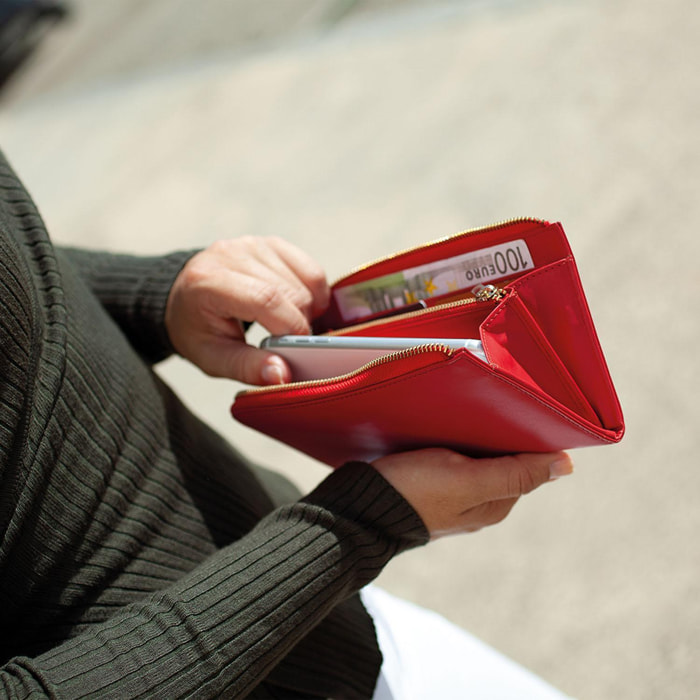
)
(342, 378)
(440, 241)
(408, 315)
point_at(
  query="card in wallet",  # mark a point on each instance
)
(513, 285)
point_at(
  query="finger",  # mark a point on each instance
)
(257, 300)
(226, 263)
(516, 475)
(474, 519)
(276, 273)
(306, 269)
(254, 366)
(241, 362)
(487, 514)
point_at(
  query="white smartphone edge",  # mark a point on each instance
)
(307, 359)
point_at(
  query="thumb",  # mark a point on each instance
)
(516, 475)
(244, 363)
(275, 370)
(254, 366)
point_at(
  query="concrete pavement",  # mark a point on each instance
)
(378, 126)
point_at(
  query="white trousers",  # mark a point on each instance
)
(426, 656)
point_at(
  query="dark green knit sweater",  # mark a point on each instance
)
(140, 555)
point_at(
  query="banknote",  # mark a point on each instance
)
(438, 278)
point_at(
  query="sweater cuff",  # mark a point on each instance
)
(134, 291)
(149, 314)
(359, 493)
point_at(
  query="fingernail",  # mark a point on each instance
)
(560, 467)
(273, 371)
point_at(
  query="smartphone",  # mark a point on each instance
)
(323, 356)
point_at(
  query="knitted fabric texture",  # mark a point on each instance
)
(140, 554)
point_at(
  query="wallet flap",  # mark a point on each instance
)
(554, 297)
(515, 344)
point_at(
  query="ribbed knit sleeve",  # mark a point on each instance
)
(222, 628)
(140, 554)
(134, 291)
(17, 337)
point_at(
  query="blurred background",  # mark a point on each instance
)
(358, 128)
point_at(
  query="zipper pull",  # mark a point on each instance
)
(488, 292)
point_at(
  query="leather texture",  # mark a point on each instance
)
(546, 386)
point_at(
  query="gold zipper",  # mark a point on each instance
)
(398, 355)
(482, 292)
(440, 241)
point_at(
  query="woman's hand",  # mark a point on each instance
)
(267, 280)
(453, 493)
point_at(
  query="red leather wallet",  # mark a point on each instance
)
(545, 387)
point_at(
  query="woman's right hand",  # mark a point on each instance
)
(267, 280)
